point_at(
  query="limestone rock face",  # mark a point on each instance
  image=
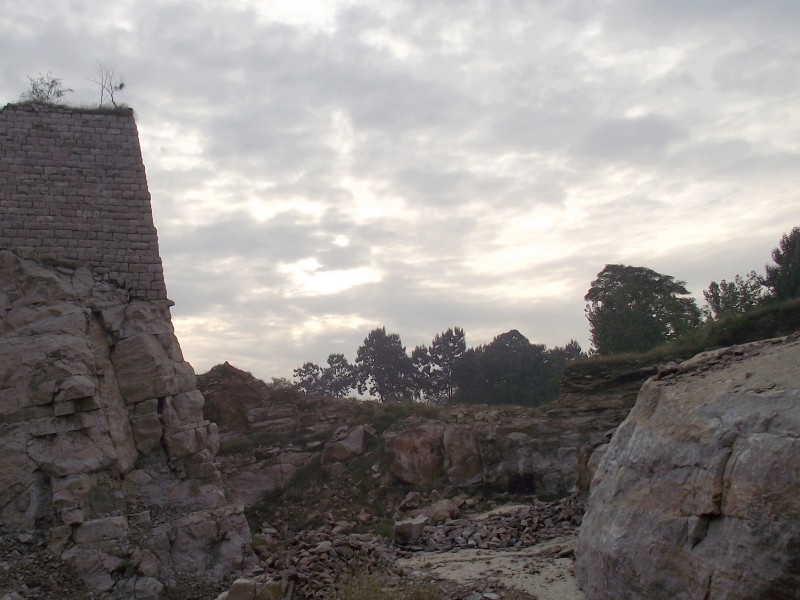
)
(345, 445)
(514, 449)
(414, 452)
(698, 493)
(104, 451)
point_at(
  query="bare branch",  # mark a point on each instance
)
(108, 81)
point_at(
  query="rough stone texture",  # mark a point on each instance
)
(345, 445)
(513, 449)
(408, 531)
(698, 493)
(106, 459)
(267, 434)
(73, 192)
(414, 451)
(315, 563)
(115, 477)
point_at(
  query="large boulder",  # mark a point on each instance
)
(698, 493)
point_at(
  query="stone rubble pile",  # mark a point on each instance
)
(508, 527)
(316, 563)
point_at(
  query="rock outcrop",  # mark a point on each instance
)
(698, 493)
(105, 456)
(506, 448)
(268, 434)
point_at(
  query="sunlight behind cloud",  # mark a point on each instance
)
(264, 210)
(308, 278)
(399, 47)
(329, 324)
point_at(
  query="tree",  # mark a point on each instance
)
(509, 370)
(633, 309)
(45, 89)
(339, 377)
(733, 298)
(435, 364)
(783, 279)
(335, 380)
(108, 81)
(421, 361)
(384, 369)
(308, 378)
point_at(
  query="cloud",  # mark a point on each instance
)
(644, 138)
(321, 169)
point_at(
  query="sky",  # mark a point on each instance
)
(322, 168)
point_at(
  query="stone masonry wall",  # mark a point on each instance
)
(73, 192)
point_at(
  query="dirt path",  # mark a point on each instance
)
(544, 571)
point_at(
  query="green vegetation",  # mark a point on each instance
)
(771, 319)
(49, 90)
(508, 370)
(783, 279)
(633, 309)
(45, 89)
(733, 297)
(383, 368)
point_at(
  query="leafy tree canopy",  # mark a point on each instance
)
(337, 379)
(783, 278)
(308, 378)
(384, 369)
(435, 365)
(633, 309)
(511, 370)
(735, 297)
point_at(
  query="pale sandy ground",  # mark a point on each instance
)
(536, 570)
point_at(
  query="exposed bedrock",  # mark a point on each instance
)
(104, 451)
(698, 493)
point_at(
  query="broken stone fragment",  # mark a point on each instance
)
(408, 531)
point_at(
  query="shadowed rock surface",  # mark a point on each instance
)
(106, 460)
(698, 493)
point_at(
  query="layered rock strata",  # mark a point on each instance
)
(698, 493)
(268, 435)
(532, 451)
(105, 456)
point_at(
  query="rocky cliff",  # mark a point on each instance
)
(269, 434)
(106, 461)
(698, 493)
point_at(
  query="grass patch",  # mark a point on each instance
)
(772, 319)
(93, 109)
(386, 415)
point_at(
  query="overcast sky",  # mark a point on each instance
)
(322, 168)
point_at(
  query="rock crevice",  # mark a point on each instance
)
(104, 452)
(696, 495)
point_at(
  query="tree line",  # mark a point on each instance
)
(630, 309)
(634, 309)
(508, 369)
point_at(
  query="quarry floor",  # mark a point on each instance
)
(543, 571)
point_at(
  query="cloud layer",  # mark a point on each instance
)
(319, 169)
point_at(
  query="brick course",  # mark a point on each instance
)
(73, 192)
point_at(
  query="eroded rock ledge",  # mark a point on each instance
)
(698, 493)
(105, 457)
